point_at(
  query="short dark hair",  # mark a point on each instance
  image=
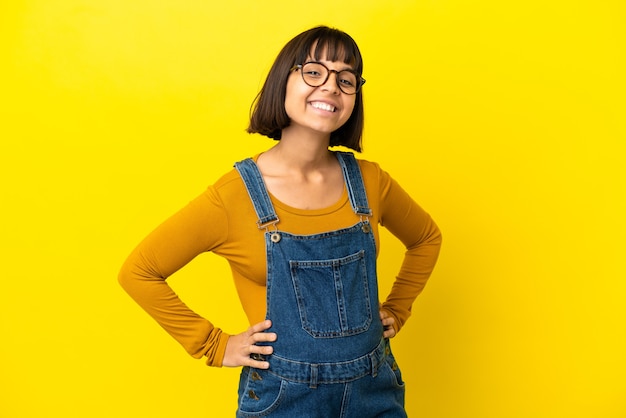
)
(268, 116)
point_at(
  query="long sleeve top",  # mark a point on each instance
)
(222, 220)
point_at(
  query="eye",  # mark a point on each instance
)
(347, 79)
(312, 73)
(347, 82)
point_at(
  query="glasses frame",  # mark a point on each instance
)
(360, 80)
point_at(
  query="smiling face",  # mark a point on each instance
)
(317, 110)
(280, 106)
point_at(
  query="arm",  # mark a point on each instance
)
(406, 220)
(198, 227)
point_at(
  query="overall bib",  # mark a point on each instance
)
(329, 359)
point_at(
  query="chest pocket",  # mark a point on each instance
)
(332, 295)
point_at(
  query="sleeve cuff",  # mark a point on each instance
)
(218, 355)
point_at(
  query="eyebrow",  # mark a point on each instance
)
(311, 59)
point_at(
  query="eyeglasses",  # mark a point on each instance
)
(316, 74)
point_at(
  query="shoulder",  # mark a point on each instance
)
(369, 167)
(373, 174)
(226, 188)
(229, 180)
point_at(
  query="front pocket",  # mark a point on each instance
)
(260, 393)
(333, 296)
(393, 370)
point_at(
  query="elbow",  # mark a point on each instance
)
(433, 235)
(438, 236)
(128, 276)
(124, 277)
(135, 275)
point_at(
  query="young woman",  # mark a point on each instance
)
(298, 225)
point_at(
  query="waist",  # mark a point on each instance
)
(326, 373)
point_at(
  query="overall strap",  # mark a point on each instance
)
(354, 183)
(253, 181)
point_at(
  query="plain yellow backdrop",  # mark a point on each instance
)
(506, 120)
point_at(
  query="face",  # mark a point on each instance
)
(321, 109)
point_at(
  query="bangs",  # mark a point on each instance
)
(332, 45)
(268, 116)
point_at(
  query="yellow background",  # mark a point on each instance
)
(504, 119)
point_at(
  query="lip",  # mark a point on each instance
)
(324, 103)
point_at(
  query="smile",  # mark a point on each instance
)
(323, 106)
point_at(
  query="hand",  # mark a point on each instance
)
(240, 346)
(388, 321)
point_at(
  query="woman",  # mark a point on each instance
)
(298, 225)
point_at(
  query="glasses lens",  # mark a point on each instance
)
(315, 74)
(347, 82)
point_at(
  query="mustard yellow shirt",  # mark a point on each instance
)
(222, 220)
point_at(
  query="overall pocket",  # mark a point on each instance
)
(332, 295)
(260, 393)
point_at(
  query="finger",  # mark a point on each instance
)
(258, 364)
(261, 349)
(260, 327)
(388, 321)
(384, 316)
(390, 333)
(264, 337)
(257, 357)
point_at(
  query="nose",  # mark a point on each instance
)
(332, 86)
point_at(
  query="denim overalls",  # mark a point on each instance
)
(329, 359)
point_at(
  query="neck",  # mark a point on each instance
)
(303, 152)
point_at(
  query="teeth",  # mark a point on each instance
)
(323, 106)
